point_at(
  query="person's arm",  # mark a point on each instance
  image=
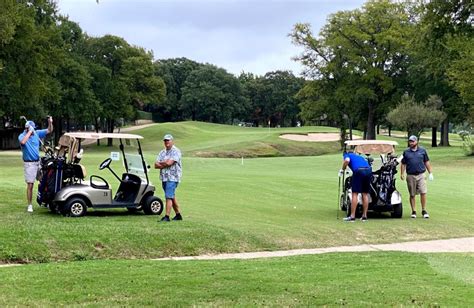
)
(402, 171)
(164, 164)
(428, 166)
(50, 125)
(26, 137)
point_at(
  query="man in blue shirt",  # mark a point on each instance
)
(30, 143)
(415, 161)
(361, 176)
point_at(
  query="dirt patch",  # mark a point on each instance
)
(314, 137)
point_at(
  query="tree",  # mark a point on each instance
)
(174, 73)
(367, 44)
(414, 117)
(30, 48)
(213, 95)
(434, 56)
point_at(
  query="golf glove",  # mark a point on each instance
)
(31, 129)
(341, 172)
(431, 177)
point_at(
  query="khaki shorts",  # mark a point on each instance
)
(31, 169)
(416, 184)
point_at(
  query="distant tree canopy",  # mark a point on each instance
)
(357, 69)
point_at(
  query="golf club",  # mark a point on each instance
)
(338, 198)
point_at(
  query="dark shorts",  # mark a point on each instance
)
(361, 180)
(169, 189)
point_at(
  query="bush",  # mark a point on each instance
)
(467, 144)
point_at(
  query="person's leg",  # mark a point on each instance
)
(413, 203)
(29, 192)
(176, 206)
(365, 204)
(355, 201)
(412, 188)
(169, 203)
(423, 201)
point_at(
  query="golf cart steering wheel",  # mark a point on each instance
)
(105, 163)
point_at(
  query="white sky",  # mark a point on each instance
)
(237, 35)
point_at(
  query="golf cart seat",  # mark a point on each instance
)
(128, 188)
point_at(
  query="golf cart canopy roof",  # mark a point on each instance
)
(103, 135)
(372, 146)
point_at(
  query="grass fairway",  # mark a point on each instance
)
(262, 204)
(362, 279)
(267, 203)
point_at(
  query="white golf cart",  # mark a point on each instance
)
(74, 195)
(383, 196)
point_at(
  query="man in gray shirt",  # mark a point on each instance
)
(415, 161)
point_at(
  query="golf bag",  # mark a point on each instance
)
(51, 181)
(385, 180)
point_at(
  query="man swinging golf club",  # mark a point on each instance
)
(362, 173)
(30, 143)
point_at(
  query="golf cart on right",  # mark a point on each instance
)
(383, 195)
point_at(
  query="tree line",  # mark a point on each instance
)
(411, 60)
(49, 66)
(363, 67)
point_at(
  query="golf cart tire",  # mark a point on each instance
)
(343, 205)
(397, 211)
(152, 206)
(75, 207)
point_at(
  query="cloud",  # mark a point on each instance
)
(236, 35)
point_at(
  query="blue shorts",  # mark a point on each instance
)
(361, 180)
(169, 188)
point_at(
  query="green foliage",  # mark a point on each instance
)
(358, 52)
(414, 117)
(142, 115)
(272, 97)
(467, 142)
(174, 73)
(211, 94)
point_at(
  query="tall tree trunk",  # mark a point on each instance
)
(57, 129)
(390, 130)
(96, 126)
(110, 129)
(371, 122)
(350, 128)
(434, 143)
(378, 129)
(444, 133)
(342, 131)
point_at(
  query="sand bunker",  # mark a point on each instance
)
(314, 137)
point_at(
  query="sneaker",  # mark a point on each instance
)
(349, 219)
(178, 217)
(363, 219)
(413, 214)
(165, 218)
(425, 214)
(30, 208)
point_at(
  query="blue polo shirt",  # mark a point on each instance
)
(415, 160)
(356, 161)
(31, 148)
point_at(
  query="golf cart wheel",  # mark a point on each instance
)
(348, 206)
(75, 207)
(343, 204)
(153, 206)
(397, 211)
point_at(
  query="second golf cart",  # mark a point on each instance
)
(75, 194)
(383, 195)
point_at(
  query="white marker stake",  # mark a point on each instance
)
(242, 160)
